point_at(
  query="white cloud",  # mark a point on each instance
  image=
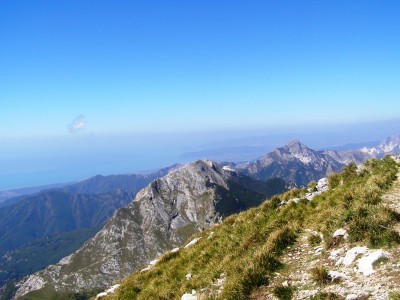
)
(78, 124)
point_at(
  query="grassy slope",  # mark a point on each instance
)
(246, 247)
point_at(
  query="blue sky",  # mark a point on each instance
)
(73, 71)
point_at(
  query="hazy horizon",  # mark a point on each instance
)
(56, 160)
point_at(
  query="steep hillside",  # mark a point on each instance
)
(162, 216)
(299, 164)
(42, 229)
(53, 212)
(339, 242)
(39, 253)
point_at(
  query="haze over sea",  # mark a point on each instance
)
(60, 160)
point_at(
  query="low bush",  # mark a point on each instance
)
(314, 240)
(320, 275)
(283, 292)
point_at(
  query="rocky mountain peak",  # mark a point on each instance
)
(296, 147)
(390, 144)
(299, 165)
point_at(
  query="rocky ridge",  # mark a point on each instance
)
(162, 216)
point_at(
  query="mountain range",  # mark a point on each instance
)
(151, 229)
(162, 216)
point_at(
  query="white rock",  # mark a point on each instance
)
(190, 296)
(145, 269)
(365, 264)
(66, 260)
(335, 254)
(351, 297)
(112, 289)
(153, 262)
(174, 250)
(282, 203)
(33, 282)
(322, 185)
(340, 232)
(285, 283)
(334, 275)
(310, 196)
(226, 168)
(193, 242)
(210, 235)
(318, 249)
(188, 276)
(352, 254)
(295, 200)
(102, 294)
(339, 261)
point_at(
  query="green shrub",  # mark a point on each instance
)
(312, 186)
(334, 180)
(275, 202)
(281, 239)
(320, 275)
(314, 240)
(349, 172)
(283, 292)
(374, 225)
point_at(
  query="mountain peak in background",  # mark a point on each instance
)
(296, 146)
(298, 164)
(390, 145)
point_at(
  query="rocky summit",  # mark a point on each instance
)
(162, 216)
(299, 165)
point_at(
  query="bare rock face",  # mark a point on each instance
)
(162, 216)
